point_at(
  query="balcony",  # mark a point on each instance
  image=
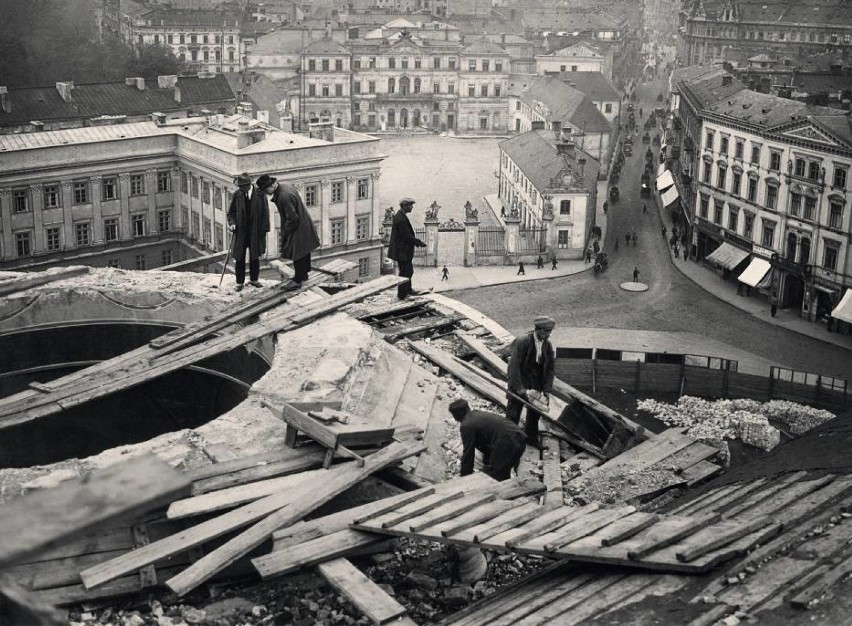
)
(800, 269)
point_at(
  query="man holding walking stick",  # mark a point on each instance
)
(248, 220)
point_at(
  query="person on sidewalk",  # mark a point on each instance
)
(502, 211)
(636, 274)
(644, 209)
(445, 274)
(553, 263)
(401, 247)
(626, 239)
(635, 239)
(521, 271)
(501, 442)
(773, 303)
(665, 230)
(539, 262)
(298, 235)
(248, 220)
(588, 255)
(531, 368)
(616, 244)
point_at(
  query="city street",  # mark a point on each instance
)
(672, 303)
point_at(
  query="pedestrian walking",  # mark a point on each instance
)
(539, 262)
(773, 303)
(588, 255)
(445, 274)
(644, 209)
(502, 211)
(501, 441)
(521, 271)
(676, 250)
(248, 220)
(635, 239)
(298, 236)
(636, 273)
(616, 244)
(665, 230)
(553, 263)
(626, 239)
(401, 247)
(530, 368)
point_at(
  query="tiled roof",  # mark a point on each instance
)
(535, 153)
(282, 42)
(566, 104)
(593, 84)
(483, 47)
(577, 49)
(325, 46)
(709, 87)
(519, 82)
(95, 99)
(175, 18)
(839, 125)
(764, 109)
(71, 136)
(559, 20)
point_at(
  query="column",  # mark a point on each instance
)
(471, 229)
(8, 246)
(351, 194)
(124, 231)
(325, 223)
(68, 212)
(431, 224)
(97, 216)
(510, 236)
(37, 200)
(151, 193)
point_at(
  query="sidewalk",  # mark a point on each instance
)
(755, 305)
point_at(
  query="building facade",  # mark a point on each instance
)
(147, 194)
(576, 58)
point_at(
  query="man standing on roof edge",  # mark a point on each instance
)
(531, 368)
(298, 235)
(401, 247)
(501, 442)
(248, 220)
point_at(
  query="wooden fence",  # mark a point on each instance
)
(646, 379)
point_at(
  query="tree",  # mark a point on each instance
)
(152, 60)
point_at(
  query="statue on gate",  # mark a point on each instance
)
(470, 212)
(432, 212)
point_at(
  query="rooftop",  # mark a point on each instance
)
(199, 18)
(325, 46)
(483, 46)
(593, 84)
(71, 136)
(566, 103)
(535, 153)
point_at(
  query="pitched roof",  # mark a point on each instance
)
(593, 84)
(535, 153)
(97, 99)
(566, 104)
(712, 86)
(175, 18)
(282, 41)
(483, 47)
(325, 46)
(577, 49)
(840, 125)
(764, 109)
(835, 12)
(71, 136)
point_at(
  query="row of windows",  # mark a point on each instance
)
(776, 35)
(83, 232)
(192, 55)
(416, 63)
(141, 260)
(193, 39)
(81, 191)
(197, 187)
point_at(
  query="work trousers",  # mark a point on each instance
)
(240, 266)
(513, 412)
(406, 270)
(301, 267)
(505, 456)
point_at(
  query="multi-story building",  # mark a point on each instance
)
(71, 105)
(771, 189)
(326, 83)
(579, 57)
(598, 89)
(483, 76)
(734, 30)
(146, 194)
(550, 184)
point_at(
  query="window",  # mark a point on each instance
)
(748, 224)
(82, 231)
(356, 87)
(417, 63)
(736, 183)
(839, 177)
(372, 62)
(81, 193)
(573, 68)
(371, 86)
(363, 188)
(356, 64)
(140, 262)
(518, 105)
(563, 239)
(391, 85)
(733, 214)
(813, 170)
(723, 146)
(738, 149)
(436, 87)
(111, 229)
(195, 225)
(771, 196)
(404, 63)
(338, 90)
(471, 90)
(184, 182)
(362, 227)
(23, 244)
(109, 188)
(219, 231)
(19, 201)
(164, 181)
(312, 90)
(717, 211)
(137, 223)
(337, 191)
(705, 205)
(137, 184)
(194, 186)
(775, 161)
(207, 232)
(755, 154)
(498, 66)
(768, 235)
(829, 255)
(436, 63)
(164, 221)
(325, 91)
(325, 65)
(451, 88)
(52, 237)
(356, 120)
(417, 84)
(310, 195)
(483, 123)
(166, 257)
(810, 206)
(217, 197)
(608, 107)
(708, 143)
(391, 63)
(371, 120)
(363, 267)
(205, 192)
(564, 207)
(800, 167)
(795, 204)
(835, 215)
(752, 189)
(338, 65)
(720, 177)
(337, 229)
(51, 196)
(708, 171)
(483, 91)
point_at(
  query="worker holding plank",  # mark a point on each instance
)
(501, 442)
(531, 376)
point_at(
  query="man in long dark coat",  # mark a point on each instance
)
(501, 442)
(401, 246)
(248, 220)
(298, 235)
(531, 367)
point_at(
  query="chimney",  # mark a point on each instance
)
(64, 90)
(137, 82)
(537, 125)
(244, 139)
(565, 148)
(36, 126)
(247, 108)
(167, 82)
(322, 130)
(727, 79)
(581, 166)
(158, 118)
(5, 99)
(263, 116)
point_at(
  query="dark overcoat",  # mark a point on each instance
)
(402, 238)
(493, 435)
(298, 235)
(525, 372)
(255, 238)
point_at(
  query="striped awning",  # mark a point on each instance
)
(727, 256)
(665, 180)
(755, 271)
(843, 311)
(669, 196)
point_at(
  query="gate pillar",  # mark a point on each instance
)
(471, 229)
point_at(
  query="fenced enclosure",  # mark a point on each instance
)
(532, 241)
(491, 240)
(420, 253)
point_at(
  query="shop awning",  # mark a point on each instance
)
(661, 168)
(754, 273)
(843, 311)
(669, 196)
(665, 180)
(727, 256)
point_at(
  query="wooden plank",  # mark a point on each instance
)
(309, 498)
(820, 581)
(393, 505)
(478, 515)
(776, 486)
(692, 454)
(628, 527)
(418, 393)
(448, 511)
(712, 616)
(321, 549)
(303, 423)
(45, 519)
(790, 496)
(21, 606)
(684, 507)
(698, 546)
(383, 391)
(700, 472)
(586, 525)
(506, 521)
(416, 509)
(29, 280)
(551, 521)
(607, 598)
(395, 333)
(370, 599)
(662, 537)
(307, 458)
(559, 608)
(552, 469)
(538, 599)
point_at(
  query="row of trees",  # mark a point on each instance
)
(45, 41)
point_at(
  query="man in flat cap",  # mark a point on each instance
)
(401, 246)
(531, 368)
(501, 442)
(248, 220)
(298, 235)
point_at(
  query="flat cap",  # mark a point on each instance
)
(459, 406)
(544, 323)
(406, 200)
(242, 180)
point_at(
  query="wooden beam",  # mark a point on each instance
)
(44, 519)
(305, 500)
(370, 599)
(21, 606)
(194, 263)
(670, 536)
(29, 280)
(395, 333)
